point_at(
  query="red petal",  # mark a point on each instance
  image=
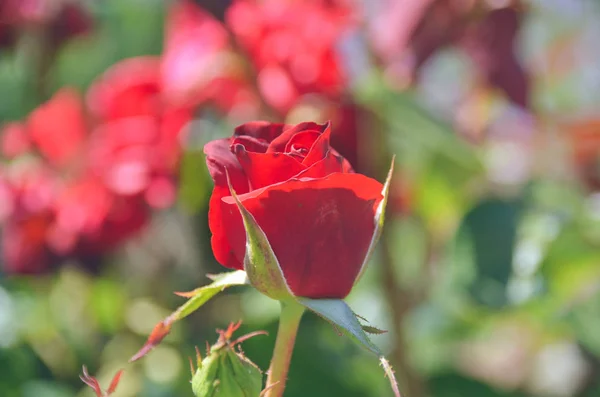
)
(346, 165)
(300, 144)
(219, 158)
(278, 144)
(219, 242)
(261, 129)
(319, 229)
(251, 144)
(320, 147)
(263, 169)
(332, 162)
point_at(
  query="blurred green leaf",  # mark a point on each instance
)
(125, 28)
(586, 323)
(454, 385)
(138, 26)
(412, 128)
(439, 164)
(108, 303)
(571, 267)
(82, 60)
(37, 388)
(17, 98)
(492, 226)
(195, 182)
(440, 202)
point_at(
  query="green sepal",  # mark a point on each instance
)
(379, 219)
(205, 382)
(337, 312)
(225, 372)
(244, 376)
(373, 330)
(260, 263)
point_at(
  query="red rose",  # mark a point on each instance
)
(129, 88)
(199, 65)
(316, 212)
(293, 45)
(194, 55)
(136, 143)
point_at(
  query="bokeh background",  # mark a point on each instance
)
(488, 273)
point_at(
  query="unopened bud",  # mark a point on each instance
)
(225, 372)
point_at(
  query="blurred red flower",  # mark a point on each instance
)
(292, 45)
(136, 143)
(199, 65)
(49, 218)
(24, 245)
(98, 171)
(29, 193)
(316, 212)
(129, 88)
(89, 219)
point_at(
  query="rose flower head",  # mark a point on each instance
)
(317, 214)
(293, 46)
(199, 65)
(136, 142)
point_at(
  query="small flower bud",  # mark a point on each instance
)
(225, 372)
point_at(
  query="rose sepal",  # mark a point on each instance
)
(379, 219)
(260, 263)
(339, 314)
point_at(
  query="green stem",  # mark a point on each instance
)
(291, 313)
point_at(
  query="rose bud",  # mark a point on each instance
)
(225, 372)
(318, 215)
